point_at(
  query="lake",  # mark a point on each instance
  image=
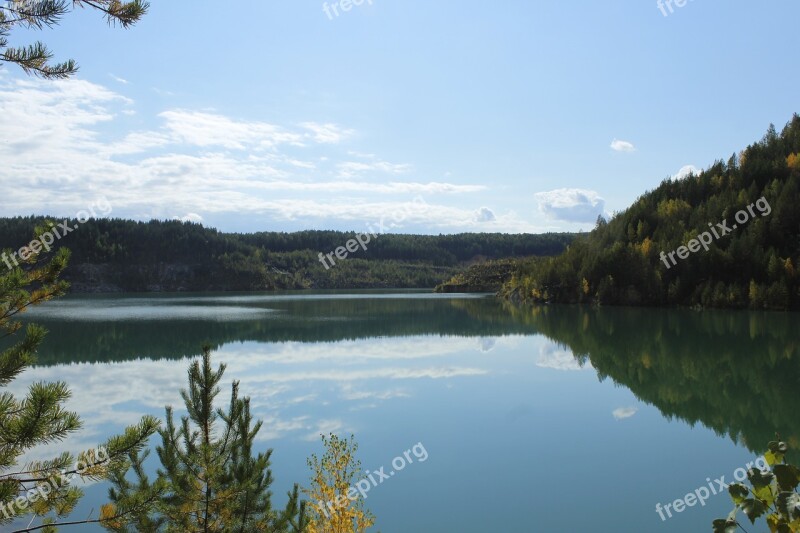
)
(551, 419)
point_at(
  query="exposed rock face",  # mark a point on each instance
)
(488, 276)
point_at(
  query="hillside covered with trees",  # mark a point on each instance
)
(745, 210)
(111, 255)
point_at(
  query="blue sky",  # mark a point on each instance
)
(439, 117)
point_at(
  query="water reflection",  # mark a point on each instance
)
(104, 329)
(735, 372)
(275, 376)
(508, 394)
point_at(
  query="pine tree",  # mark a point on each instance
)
(38, 14)
(209, 480)
(42, 488)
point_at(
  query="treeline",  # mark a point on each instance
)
(755, 265)
(448, 250)
(123, 255)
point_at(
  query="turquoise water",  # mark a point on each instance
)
(549, 419)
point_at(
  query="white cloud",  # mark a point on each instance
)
(190, 217)
(571, 205)
(685, 171)
(622, 413)
(67, 141)
(119, 80)
(484, 214)
(58, 120)
(622, 146)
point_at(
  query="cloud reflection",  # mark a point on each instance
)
(299, 389)
(557, 357)
(622, 413)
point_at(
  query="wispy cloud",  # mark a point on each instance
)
(327, 133)
(68, 140)
(349, 392)
(212, 130)
(349, 169)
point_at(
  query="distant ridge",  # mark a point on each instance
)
(116, 255)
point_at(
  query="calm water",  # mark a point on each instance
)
(550, 419)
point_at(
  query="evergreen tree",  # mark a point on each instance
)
(37, 14)
(42, 488)
(209, 480)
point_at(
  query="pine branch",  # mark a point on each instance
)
(33, 60)
(39, 14)
(125, 14)
(36, 14)
(79, 522)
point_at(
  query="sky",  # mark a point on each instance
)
(423, 117)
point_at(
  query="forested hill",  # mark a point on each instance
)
(122, 255)
(733, 230)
